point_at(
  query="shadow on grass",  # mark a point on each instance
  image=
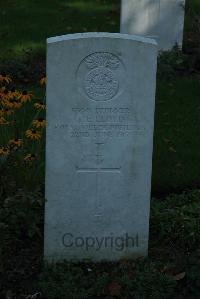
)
(26, 24)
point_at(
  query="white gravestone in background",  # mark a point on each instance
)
(100, 114)
(160, 19)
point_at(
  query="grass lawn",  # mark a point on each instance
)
(176, 157)
(24, 27)
(172, 268)
(26, 24)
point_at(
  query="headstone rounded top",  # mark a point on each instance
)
(75, 36)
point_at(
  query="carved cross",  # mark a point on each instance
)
(97, 170)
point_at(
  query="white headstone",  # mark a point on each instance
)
(160, 19)
(100, 114)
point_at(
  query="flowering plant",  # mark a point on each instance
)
(22, 126)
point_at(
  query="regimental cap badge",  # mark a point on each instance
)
(102, 59)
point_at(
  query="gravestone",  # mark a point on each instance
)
(100, 114)
(159, 19)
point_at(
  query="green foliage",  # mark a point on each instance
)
(193, 273)
(176, 220)
(192, 33)
(147, 282)
(21, 234)
(27, 69)
(174, 225)
(175, 274)
(21, 215)
(177, 101)
(22, 140)
(16, 173)
(171, 63)
(78, 281)
(174, 229)
(68, 280)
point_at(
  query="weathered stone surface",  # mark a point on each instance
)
(100, 113)
(160, 19)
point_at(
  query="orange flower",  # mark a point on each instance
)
(43, 81)
(5, 112)
(5, 78)
(13, 93)
(39, 123)
(25, 96)
(40, 105)
(4, 93)
(29, 157)
(12, 103)
(33, 134)
(16, 142)
(3, 121)
(4, 151)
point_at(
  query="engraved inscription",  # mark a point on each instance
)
(105, 122)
